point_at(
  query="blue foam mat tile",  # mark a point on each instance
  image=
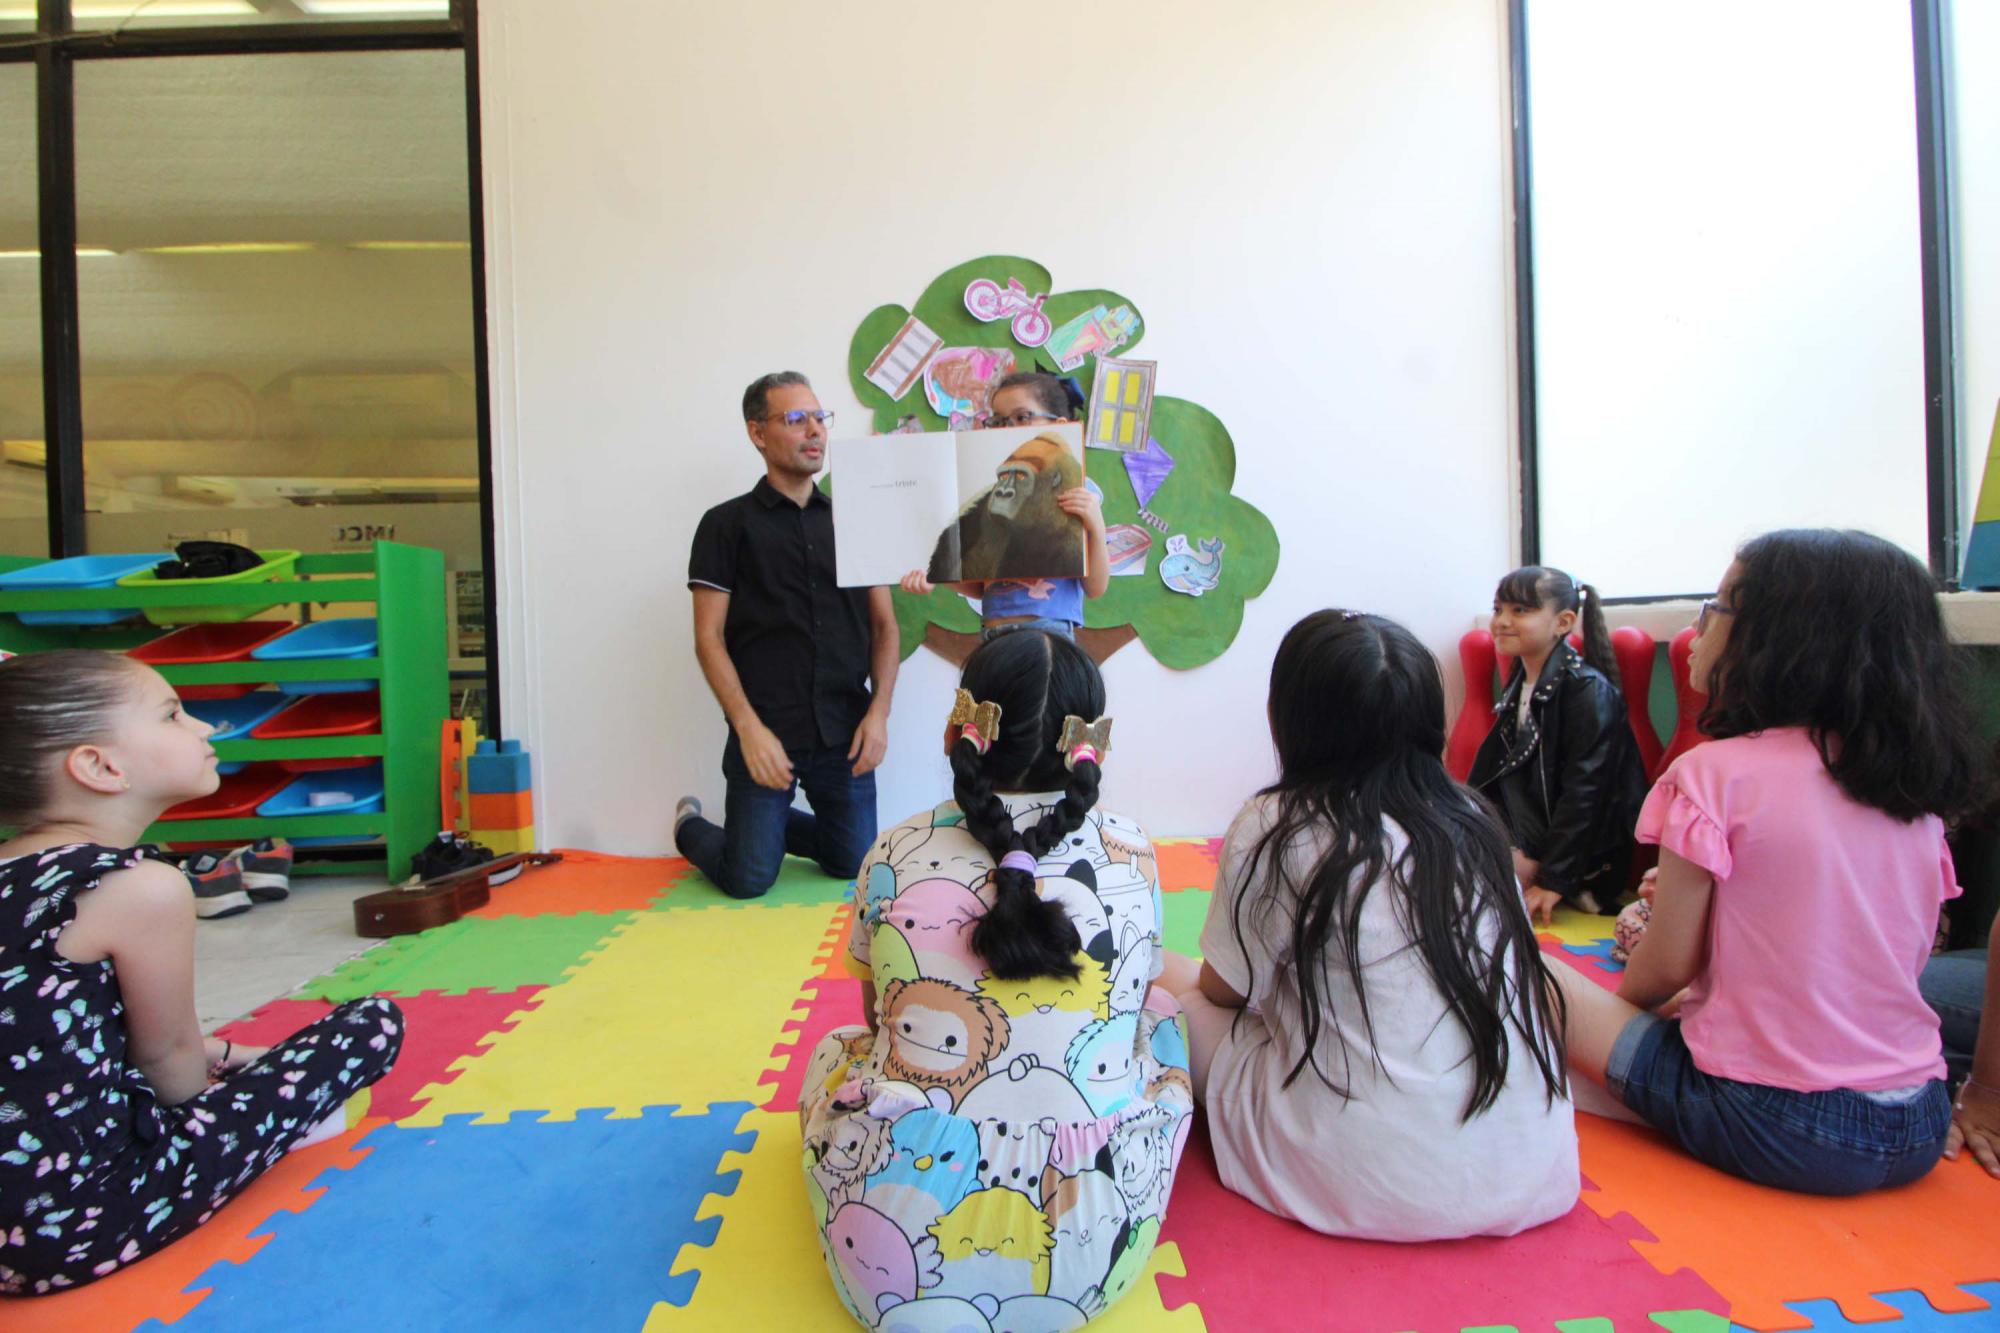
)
(1598, 949)
(461, 1225)
(1918, 1314)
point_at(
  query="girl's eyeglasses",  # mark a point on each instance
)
(1711, 607)
(1018, 419)
(800, 416)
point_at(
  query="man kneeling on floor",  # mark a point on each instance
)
(789, 655)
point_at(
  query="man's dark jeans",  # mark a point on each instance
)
(741, 856)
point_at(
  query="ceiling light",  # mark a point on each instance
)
(82, 252)
(229, 248)
(161, 9)
(343, 7)
(409, 245)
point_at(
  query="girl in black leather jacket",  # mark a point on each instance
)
(1562, 766)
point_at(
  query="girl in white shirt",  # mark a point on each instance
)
(1374, 1035)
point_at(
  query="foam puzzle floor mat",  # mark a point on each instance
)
(593, 1126)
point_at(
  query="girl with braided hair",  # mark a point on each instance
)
(1002, 1135)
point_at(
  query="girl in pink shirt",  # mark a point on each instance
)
(1802, 866)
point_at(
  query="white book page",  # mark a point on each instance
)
(892, 496)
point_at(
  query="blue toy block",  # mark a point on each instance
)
(499, 767)
(525, 1225)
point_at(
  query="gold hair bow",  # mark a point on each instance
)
(976, 722)
(1084, 740)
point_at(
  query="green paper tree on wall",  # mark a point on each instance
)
(1194, 500)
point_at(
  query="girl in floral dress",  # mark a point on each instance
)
(121, 1126)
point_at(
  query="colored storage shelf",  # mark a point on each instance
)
(407, 679)
(233, 718)
(77, 573)
(343, 639)
(359, 791)
(276, 565)
(239, 794)
(207, 644)
(320, 715)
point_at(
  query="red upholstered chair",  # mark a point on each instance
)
(1687, 732)
(1475, 714)
(1636, 652)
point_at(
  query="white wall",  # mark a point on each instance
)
(1309, 209)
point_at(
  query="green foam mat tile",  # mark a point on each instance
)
(501, 953)
(1184, 914)
(799, 882)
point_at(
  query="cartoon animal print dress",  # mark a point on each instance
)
(999, 1156)
(94, 1172)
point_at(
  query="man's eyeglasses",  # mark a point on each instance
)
(799, 416)
(1017, 419)
(1711, 607)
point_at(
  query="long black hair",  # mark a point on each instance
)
(1357, 714)
(1037, 679)
(1540, 585)
(50, 703)
(1841, 633)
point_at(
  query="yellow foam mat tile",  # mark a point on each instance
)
(676, 1008)
(1573, 927)
(764, 1269)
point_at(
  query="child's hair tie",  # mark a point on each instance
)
(1072, 391)
(1021, 861)
(1084, 740)
(974, 721)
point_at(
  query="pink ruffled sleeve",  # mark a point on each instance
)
(1948, 887)
(1677, 818)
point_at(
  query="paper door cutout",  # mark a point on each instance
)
(896, 367)
(1121, 405)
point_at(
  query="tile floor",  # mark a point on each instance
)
(242, 961)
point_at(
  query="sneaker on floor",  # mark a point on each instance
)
(218, 886)
(267, 869)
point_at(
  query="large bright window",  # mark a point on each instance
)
(1729, 318)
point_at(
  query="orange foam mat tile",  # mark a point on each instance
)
(157, 1287)
(1187, 863)
(586, 882)
(1761, 1247)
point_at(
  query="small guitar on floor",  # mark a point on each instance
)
(440, 901)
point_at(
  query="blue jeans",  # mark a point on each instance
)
(1833, 1142)
(1954, 984)
(1058, 627)
(741, 856)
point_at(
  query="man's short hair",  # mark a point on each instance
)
(756, 398)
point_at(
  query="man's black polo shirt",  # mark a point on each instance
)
(800, 644)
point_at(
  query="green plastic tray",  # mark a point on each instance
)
(276, 565)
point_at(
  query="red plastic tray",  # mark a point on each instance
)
(324, 715)
(240, 794)
(211, 643)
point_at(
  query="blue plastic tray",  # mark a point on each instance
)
(233, 718)
(348, 637)
(79, 571)
(363, 786)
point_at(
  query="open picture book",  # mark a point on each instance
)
(962, 506)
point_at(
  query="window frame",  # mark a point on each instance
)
(1941, 442)
(54, 48)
